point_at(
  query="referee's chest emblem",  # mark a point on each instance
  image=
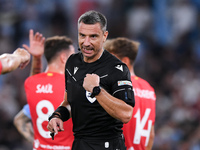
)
(90, 99)
(75, 69)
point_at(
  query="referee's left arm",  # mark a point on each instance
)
(115, 107)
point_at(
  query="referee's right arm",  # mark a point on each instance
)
(61, 114)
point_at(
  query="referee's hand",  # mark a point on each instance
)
(55, 125)
(90, 81)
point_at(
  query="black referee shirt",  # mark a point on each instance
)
(90, 120)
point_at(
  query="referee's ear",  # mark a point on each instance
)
(105, 35)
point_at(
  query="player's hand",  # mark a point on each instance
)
(36, 47)
(90, 81)
(24, 55)
(55, 125)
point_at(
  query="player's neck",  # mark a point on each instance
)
(55, 68)
(130, 67)
(132, 73)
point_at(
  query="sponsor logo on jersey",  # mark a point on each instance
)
(44, 88)
(49, 74)
(36, 143)
(144, 93)
(125, 82)
(120, 67)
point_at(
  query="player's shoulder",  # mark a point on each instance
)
(142, 82)
(142, 88)
(35, 76)
(42, 76)
(38, 75)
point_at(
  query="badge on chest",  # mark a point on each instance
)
(90, 99)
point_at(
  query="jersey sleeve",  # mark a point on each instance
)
(26, 111)
(122, 85)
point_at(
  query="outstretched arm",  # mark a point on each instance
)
(36, 49)
(19, 58)
(24, 126)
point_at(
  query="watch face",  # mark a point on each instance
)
(96, 90)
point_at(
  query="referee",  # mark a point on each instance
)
(99, 95)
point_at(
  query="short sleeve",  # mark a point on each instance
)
(26, 111)
(122, 85)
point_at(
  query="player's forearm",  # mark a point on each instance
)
(26, 132)
(66, 104)
(150, 145)
(24, 126)
(115, 107)
(36, 66)
(29, 132)
(30, 139)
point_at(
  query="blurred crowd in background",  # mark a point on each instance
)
(169, 58)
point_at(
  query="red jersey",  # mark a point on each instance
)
(0, 67)
(137, 130)
(45, 92)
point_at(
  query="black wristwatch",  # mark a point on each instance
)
(96, 90)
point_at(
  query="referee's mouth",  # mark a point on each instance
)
(87, 50)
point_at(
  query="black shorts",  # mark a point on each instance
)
(111, 144)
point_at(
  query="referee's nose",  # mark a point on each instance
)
(86, 41)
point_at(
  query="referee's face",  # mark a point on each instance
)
(91, 39)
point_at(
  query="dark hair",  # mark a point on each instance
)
(54, 45)
(93, 17)
(122, 47)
